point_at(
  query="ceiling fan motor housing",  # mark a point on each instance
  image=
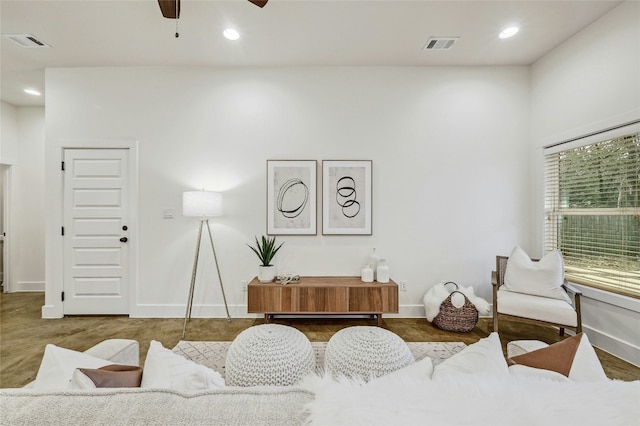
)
(171, 8)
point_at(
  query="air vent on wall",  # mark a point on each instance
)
(26, 40)
(440, 43)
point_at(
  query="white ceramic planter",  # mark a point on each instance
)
(266, 274)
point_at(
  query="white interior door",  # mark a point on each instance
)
(95, 234)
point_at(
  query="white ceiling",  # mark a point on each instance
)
(119, 33)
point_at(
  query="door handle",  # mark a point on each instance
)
(124, 239)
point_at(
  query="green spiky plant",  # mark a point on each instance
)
(265, 250)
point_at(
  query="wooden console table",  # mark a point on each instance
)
(323, 295)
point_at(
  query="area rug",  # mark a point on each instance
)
(214, 354)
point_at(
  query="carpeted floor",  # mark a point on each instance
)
(24, 334)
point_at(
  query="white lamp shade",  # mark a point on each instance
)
(201, 204)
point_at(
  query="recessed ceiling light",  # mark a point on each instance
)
(231, 34)
(509, 32)
(33, 92)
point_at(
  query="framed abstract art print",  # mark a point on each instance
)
(346, 197)
(291, 197)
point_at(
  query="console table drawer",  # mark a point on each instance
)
(381, 299)
(321, 299)
(290, 298)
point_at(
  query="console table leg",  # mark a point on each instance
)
(380, 320)
(267, 318)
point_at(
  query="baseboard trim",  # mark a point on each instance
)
(28, 286)
(408, 311)
(615, 347)
(52, 312)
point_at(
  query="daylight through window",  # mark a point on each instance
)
(592, 211)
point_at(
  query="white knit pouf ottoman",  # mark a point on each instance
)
(269, 354)
(366, 352)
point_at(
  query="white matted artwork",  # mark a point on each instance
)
(346, 197)
(291, 197)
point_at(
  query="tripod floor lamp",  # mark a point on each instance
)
(202, 204)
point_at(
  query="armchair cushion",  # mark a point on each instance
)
(543, 278)
(536, 307)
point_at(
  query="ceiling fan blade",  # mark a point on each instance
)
(170, 8)
(259, 3)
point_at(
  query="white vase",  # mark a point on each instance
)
(266, 274)
(366, 274)
(373, 262)
(382, 273)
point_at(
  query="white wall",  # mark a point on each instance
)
(591, 83)
(8, 156)
(8, 133)
(450, 168)
(27, 199)
(23, 150)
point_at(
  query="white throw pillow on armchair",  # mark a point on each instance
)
(543, 278)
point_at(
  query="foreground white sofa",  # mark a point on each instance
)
(134, 406)
(475, 387)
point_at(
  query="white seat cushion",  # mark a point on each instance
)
(536, 307)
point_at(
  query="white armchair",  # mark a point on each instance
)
(535, 309)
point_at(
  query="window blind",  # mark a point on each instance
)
(592, 212)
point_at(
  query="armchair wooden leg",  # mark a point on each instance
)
(562, 331)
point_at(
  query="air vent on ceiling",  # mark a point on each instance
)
(440, 43)
(26, 40)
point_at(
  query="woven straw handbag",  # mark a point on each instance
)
(460, 320)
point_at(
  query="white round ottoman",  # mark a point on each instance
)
(269, 354)
(366, 352)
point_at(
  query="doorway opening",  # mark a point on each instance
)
(4, 228)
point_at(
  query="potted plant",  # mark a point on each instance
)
(266, 249)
